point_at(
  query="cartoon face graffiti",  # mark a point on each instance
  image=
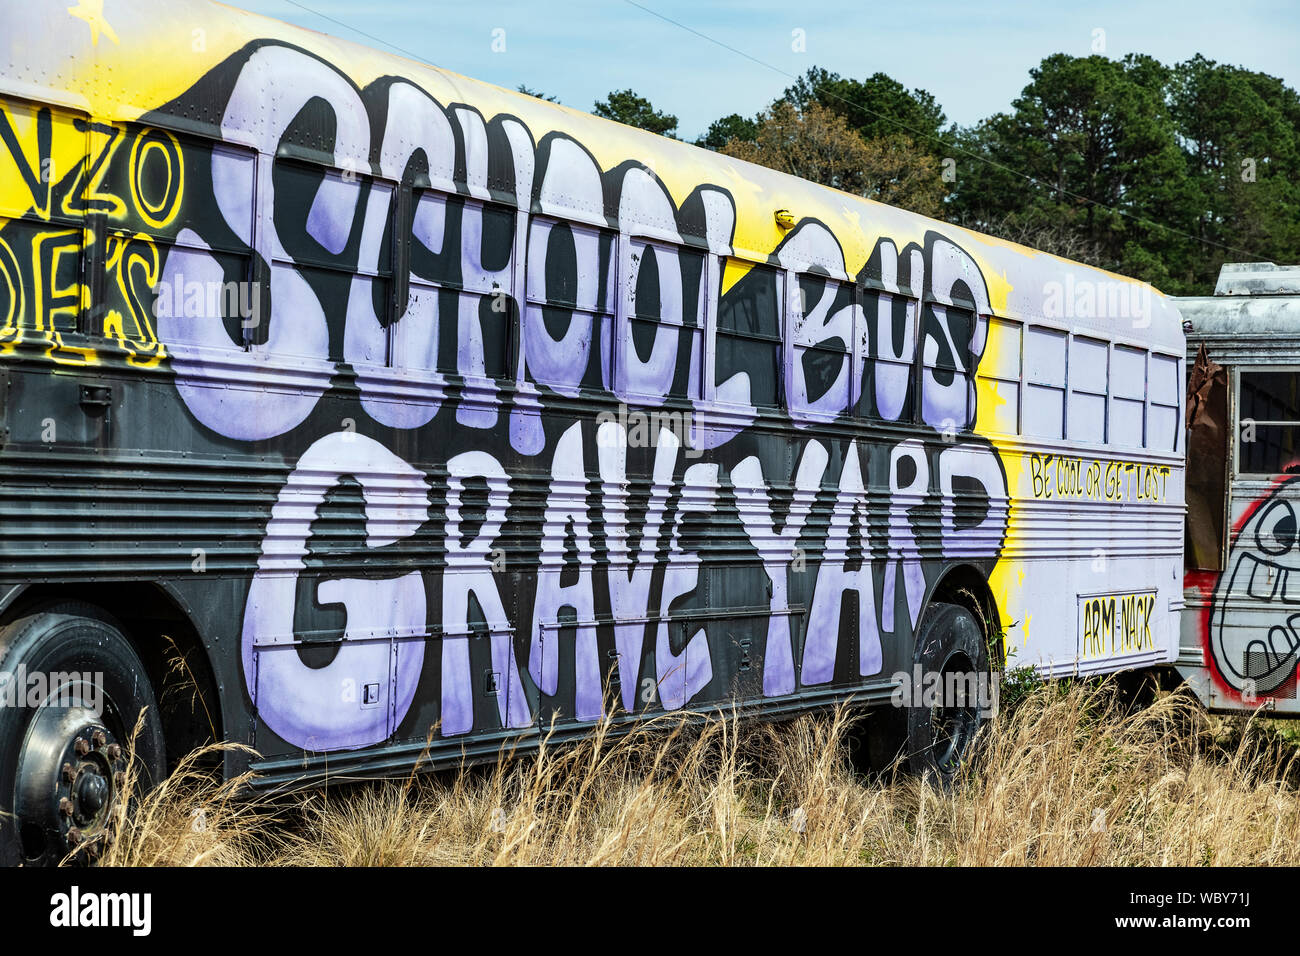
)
(1255, 618)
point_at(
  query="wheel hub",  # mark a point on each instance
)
(70, 770)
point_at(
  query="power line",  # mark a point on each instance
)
(368, 36)
(942, 142)
(921, 134)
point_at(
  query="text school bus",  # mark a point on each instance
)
(401, 404)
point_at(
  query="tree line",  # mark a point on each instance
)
(1154, 171)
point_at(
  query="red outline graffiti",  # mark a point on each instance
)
(1207, 583)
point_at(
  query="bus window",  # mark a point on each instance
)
(821, 327)
(888, 391)
(1268, 421)
(41, 237)
(749, 331)
(945, 378)
(53, 251)
(1163, 423)
(316, 215)
(665, 324)
(1128, 392)
(1087, 412)
(433, 263)
(196, 256)
(999, 375)
(459, 289)
(571, 298)
(485, 306)
(1044, 383)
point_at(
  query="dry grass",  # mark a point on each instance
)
(1069, 777)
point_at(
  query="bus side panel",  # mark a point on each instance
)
(1105, 536)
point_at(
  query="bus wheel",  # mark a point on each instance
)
(940, 732)
(75, 688)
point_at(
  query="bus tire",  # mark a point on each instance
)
(76, 689)
(940, 738)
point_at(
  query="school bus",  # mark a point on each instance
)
(1239, 640)
(350, 408)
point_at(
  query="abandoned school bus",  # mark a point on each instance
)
(407, 411)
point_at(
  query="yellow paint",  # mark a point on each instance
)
(733, 270)
(988, 400)
(77, 163)
(49, 303)
(1007, 570)
(1116, 624)
(91, 172)
(139, 341)
(1072, 477)
(92, 11)
(26, 181)
(162, 214)
(11, 330)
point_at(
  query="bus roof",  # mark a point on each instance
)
(1257, 278)
(1253, 316)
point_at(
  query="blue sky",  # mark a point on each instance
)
(973, 57)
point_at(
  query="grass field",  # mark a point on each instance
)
(1070, 774)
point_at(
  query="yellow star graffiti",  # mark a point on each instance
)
(92, 11)
(998, 399)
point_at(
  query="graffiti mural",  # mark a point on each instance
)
(441, 408)
(534, 389)
(1254, 618)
